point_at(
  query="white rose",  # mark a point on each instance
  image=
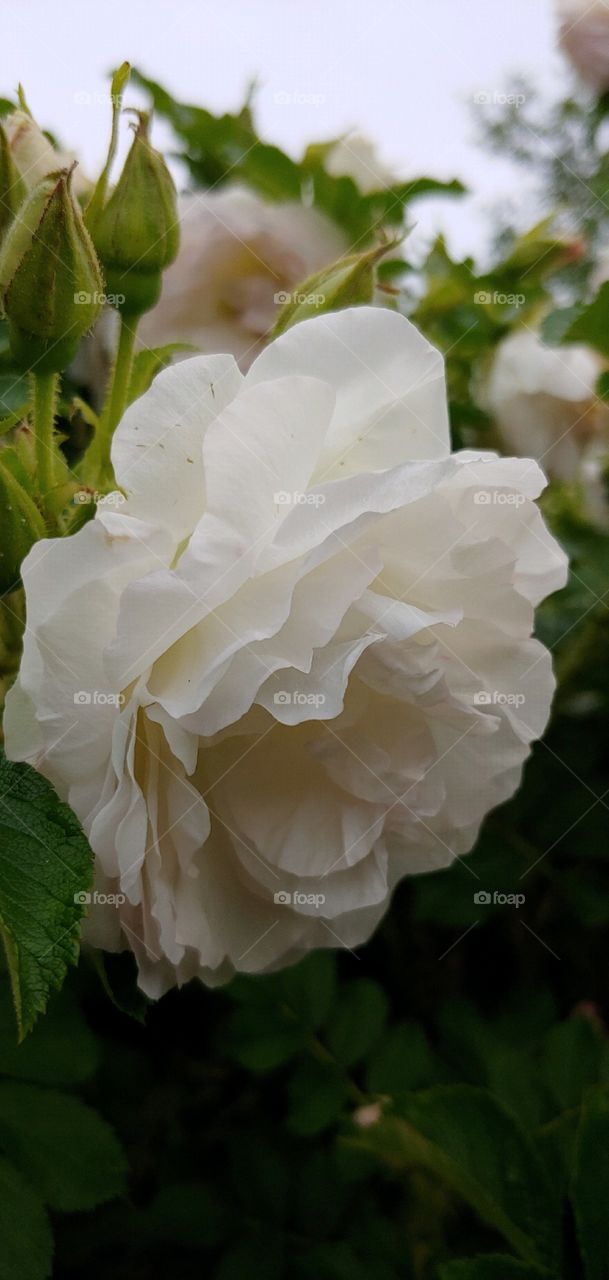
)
(304, 643)
(35, 157)
(238, 256)
(584, 37)
(543, 400)
(354, 156)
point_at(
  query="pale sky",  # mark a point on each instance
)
(404, 72)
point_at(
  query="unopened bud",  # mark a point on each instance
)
(12, 190)
(34, 155)
(346, 283)
(50, 282)
(137, 232)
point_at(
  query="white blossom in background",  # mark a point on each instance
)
(239, 257)
(584, 38)
(543, 400)
(296, 663)
(356, 157)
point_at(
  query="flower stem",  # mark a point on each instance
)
(97, 462)
(44, 402)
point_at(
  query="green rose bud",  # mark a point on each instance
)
(21, 524)
(136, 234)
(50, 282)
(346, 283)
(12, 189)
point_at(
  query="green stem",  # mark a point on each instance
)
(44, 401)
(97, 461)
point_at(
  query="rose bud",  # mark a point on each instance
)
(12, 190)
(35, 157)
(137, 232)
(349, 282)
(50, 281)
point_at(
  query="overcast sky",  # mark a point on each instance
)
(405, 72)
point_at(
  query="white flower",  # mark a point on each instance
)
(543, 400)
(354, 156)
(239, 258)
(35, 157)
(296, 664)
(584, 37)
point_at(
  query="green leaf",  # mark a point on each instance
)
(592, 324)
(556, 1142)
(21, 525)
(64, 1148)
(402, 1060)
(27, 1243)
(117, 972)
(277, 1013)
(261, 1039)
(317, 1092)
(149, 362)
(224, 148)
(45, 861)
(188, 1212)
(556, 325)
(494, 1267)
(590, 1184)
(309, 988)
(462, 1136)
(61, 1050)
(572, 1060)
(358, 1021)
